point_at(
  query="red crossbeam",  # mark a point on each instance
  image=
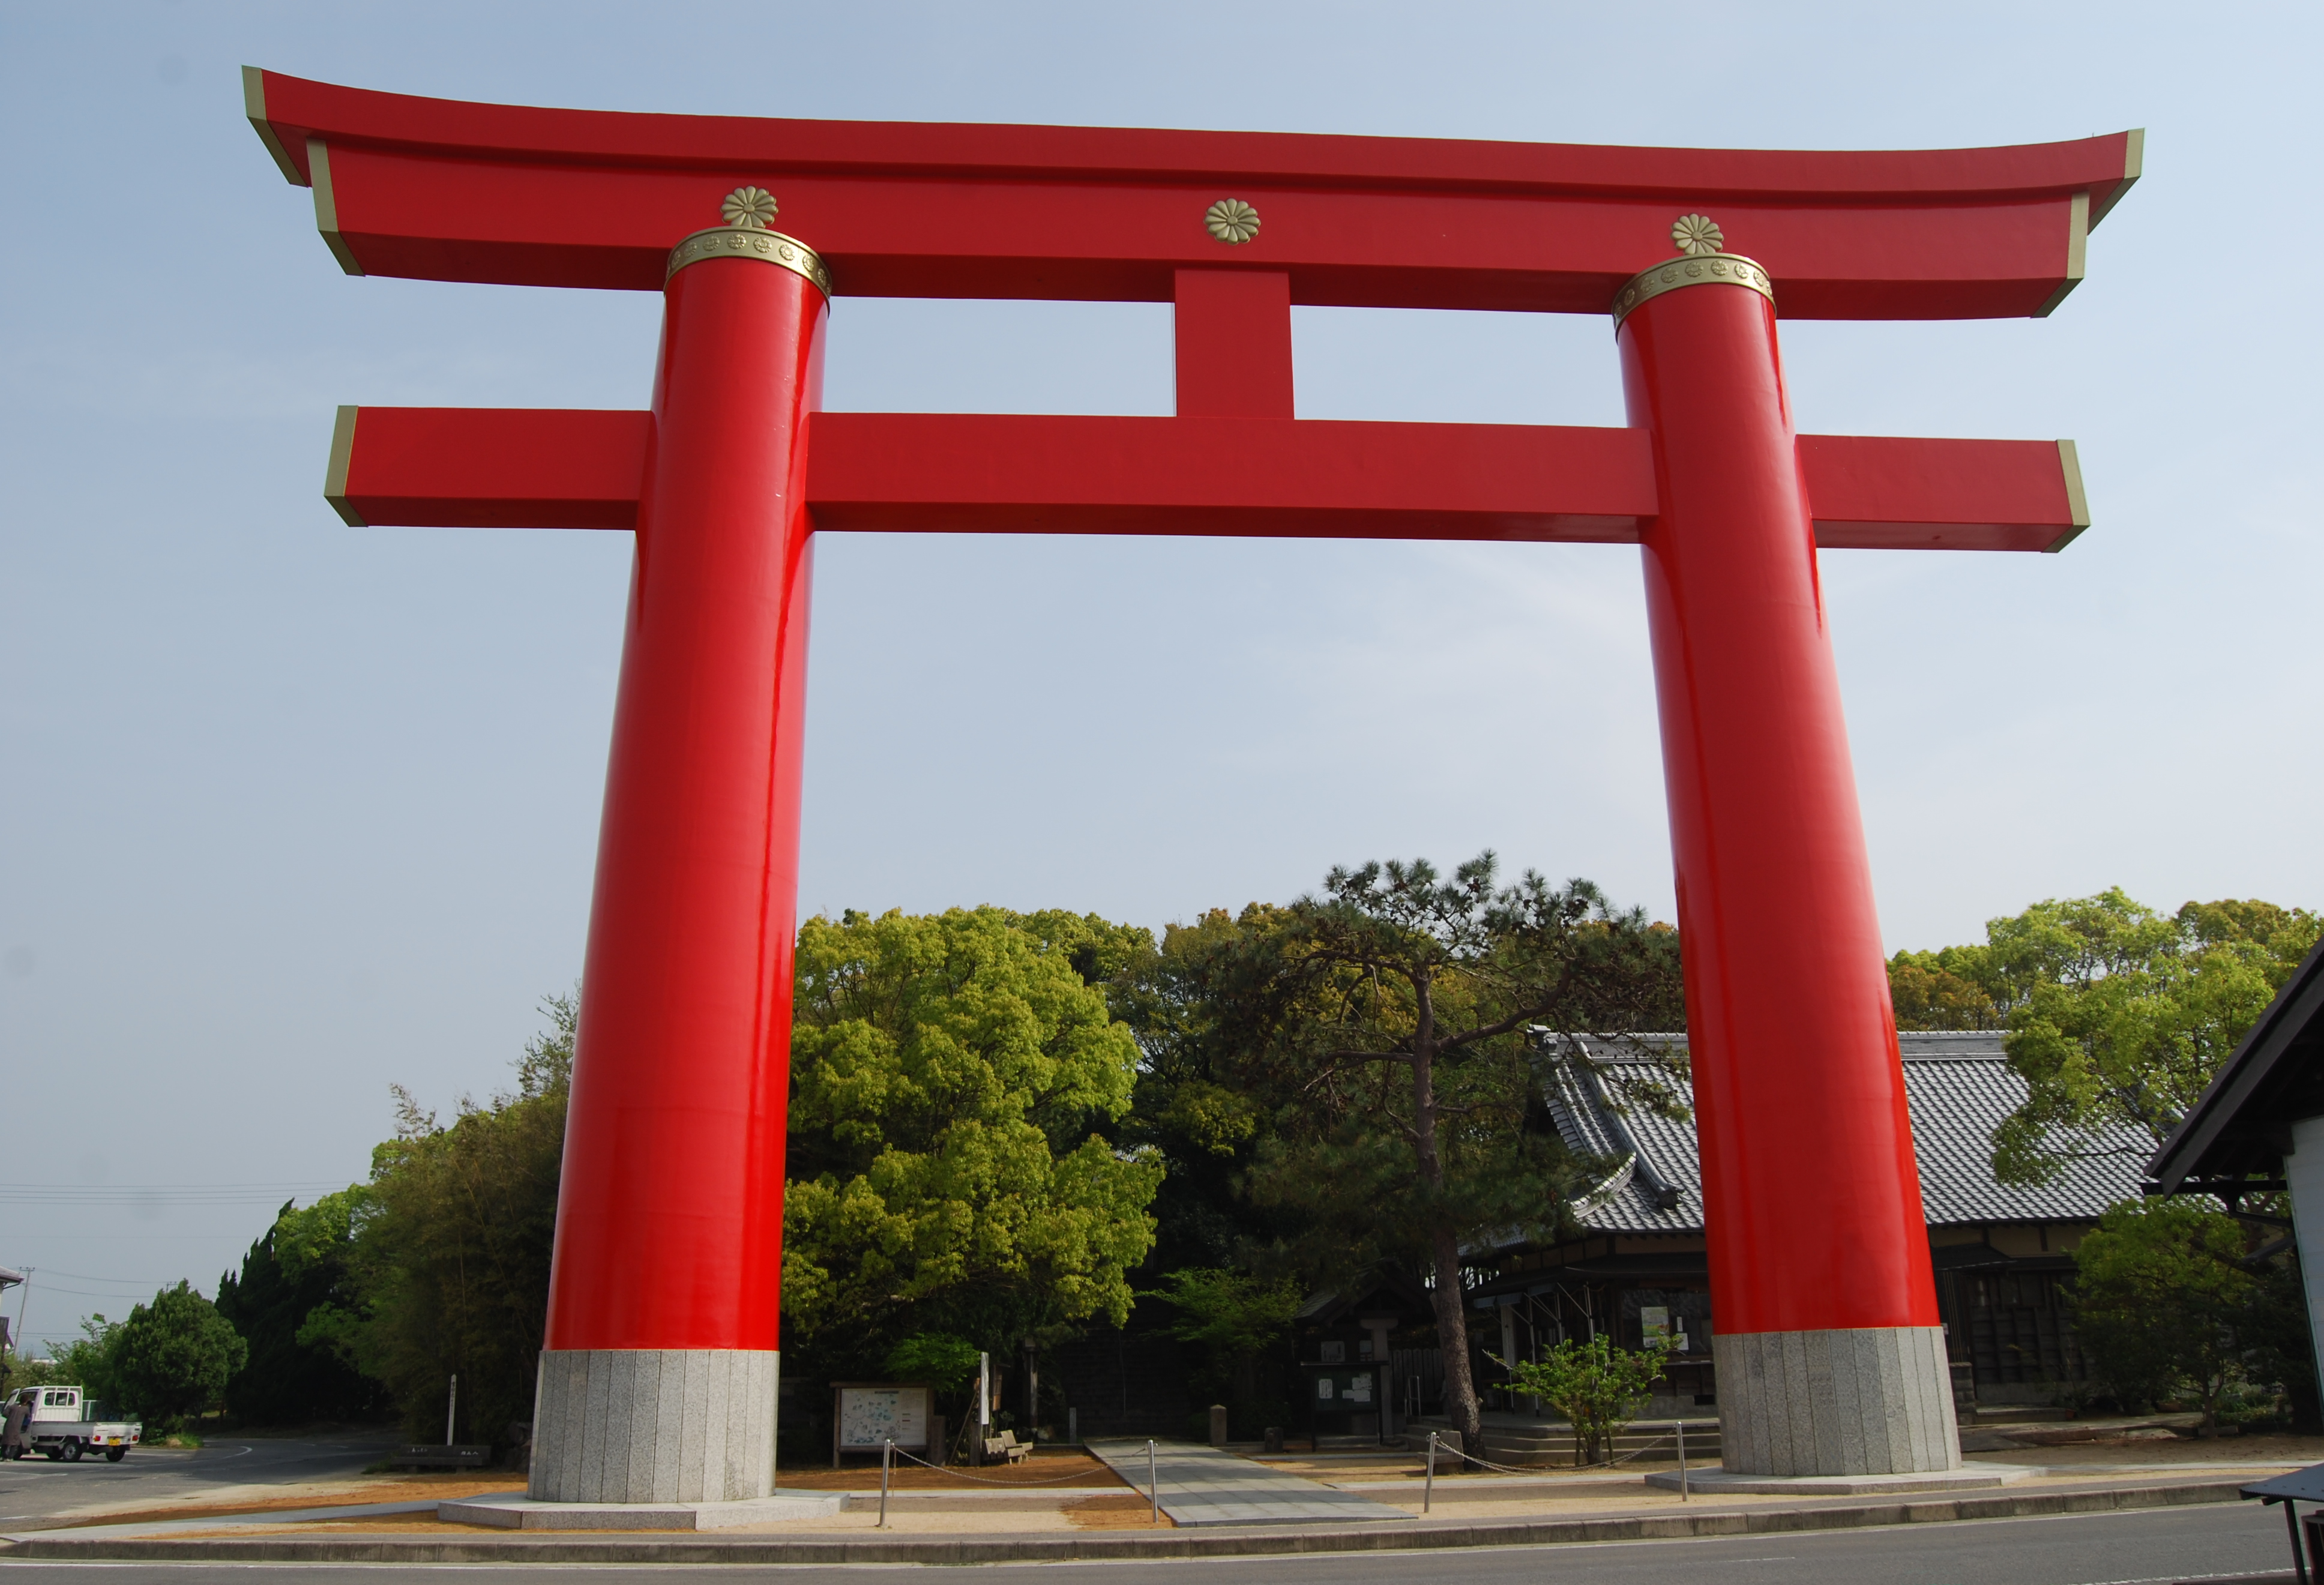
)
(924, 473)
(451, 191)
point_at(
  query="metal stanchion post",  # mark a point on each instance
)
(1428, 1484)
(1152, 1483)
(887, 1451)
(1681, 1424)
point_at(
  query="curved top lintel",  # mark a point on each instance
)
(295, 109)
(447, 190)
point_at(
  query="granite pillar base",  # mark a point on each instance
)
(654, 1425)
(1870, 1401)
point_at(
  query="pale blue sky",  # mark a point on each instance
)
(289, 811)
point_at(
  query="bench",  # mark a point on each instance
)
(1007, 1446)
(441, 1456)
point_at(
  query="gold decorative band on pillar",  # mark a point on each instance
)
(743, 242)
(1701, 270)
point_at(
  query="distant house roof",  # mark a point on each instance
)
(2276, 1076)
(1957, 1086)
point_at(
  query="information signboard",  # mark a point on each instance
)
(869, 1414)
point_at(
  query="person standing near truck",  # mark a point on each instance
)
(12, 1442)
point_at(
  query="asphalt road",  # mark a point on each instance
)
(34, 1491)
(2142, 1548)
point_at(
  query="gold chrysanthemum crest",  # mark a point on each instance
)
(1232, 221)
(749, 208)
(1695, 234)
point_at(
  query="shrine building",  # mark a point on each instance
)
(2003, 1255)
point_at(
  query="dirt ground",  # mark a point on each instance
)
(1124, 1511)
(1037, 1496)
(1058, 1469)
(2118, 1449)
(423, 1487)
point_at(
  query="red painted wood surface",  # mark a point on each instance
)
(495, 467)
(445, 190)
(1009, 472)
(669, 1224)
(669, 1210)
(1231, 344)
(1812, 1204)
(1879, 492)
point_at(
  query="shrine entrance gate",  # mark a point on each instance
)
(658, 1379)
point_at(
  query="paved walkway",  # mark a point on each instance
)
(1207, 1485)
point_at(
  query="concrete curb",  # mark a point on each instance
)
(1099, 1545)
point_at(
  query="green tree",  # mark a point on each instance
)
(1389, 1023)
(171, 1358)
(952, 1077)
(944, 1361)
(1236, 1319)
(1599, 1387)
(949, 1365)
(86, 1361)
(1943, 990)
(1229, 1312)
(1198, 1006)
(2161, 1290)
(2278, 1345)
(2118, 1016)
(452, 1239)
(296, 1283)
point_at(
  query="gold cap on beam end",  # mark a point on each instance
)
(1704, 269)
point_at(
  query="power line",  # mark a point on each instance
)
(142, 1194)
(83, 1275)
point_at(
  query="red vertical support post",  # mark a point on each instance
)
(1830, 1358)
(1233, 341)
(658, 1379)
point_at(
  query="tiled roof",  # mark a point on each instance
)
(1958, 1087)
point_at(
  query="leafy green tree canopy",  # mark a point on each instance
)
(1387, 1026)
(2118, 1016)
(1229, 1312)
(1599, 1386)
(944, 1361)
(952, 1076)
(172, 1357)
(85, 1362)
(452, 1239)
(2162, 1289)
(297, 1282)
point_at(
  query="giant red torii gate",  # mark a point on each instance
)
(659, 1378)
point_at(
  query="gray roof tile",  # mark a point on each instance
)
(1958, 1087)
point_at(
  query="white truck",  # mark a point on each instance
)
(64, 1426)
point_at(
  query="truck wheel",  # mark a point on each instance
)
(72, 1450)
(113, 1455)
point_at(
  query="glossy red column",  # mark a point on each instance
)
(1813, 1205)
(1812, 1201)
(669, 1217)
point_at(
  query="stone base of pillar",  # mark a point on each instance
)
(654, 1425)
(1870, 1401)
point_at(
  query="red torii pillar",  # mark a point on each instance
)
(658, 1382)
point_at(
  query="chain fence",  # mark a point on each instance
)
(1437, 1449)
(989, 1480)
